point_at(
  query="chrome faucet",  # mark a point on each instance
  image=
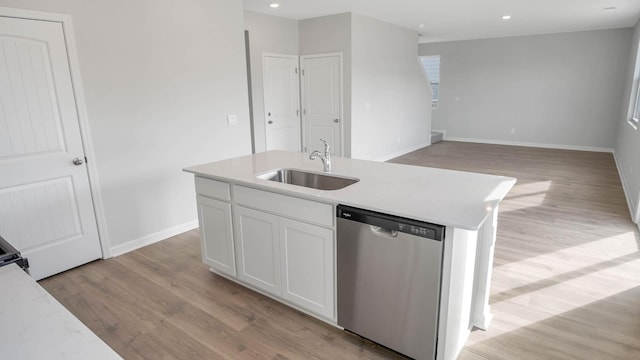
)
(326, 158)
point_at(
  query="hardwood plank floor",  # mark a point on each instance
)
(161, 302)
(566, 278)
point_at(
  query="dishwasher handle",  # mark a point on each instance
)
(383, 231)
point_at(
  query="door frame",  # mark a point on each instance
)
(264, 103)
(81, 109)
(302, 99)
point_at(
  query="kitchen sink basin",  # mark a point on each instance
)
(309, 179)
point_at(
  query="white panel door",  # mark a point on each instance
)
(321, 102)
(258, 249)
(46, 210)
(307, 266)
(281, 102)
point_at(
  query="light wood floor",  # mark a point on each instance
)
(566, 281)
(566, 276)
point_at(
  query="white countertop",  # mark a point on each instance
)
(446, 197)
(35, 326)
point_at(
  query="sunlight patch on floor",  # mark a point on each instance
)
(526, 195)
(577, 256)
(541, 287)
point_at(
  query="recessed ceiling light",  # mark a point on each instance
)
(506, 17)
(274, 5)
(609, 8)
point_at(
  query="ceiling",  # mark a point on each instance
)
(447, 20)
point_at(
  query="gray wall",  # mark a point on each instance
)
(627, 149)
(160, 77)
(559, 90)
(267, 34)
(385, 75)
(329, 34)
(391, 100)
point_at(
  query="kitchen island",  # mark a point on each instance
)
(243, 219)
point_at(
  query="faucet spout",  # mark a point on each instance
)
(326, 158)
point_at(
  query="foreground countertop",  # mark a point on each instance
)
(446, 197)
(36, 326)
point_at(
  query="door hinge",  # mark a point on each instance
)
(305, 149)
(86, 160)
(296, 70)
(304, 111)
(302, 72)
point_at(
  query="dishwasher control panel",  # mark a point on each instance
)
(391, 222)
(417, 230)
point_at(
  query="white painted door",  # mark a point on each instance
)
(46, 209)
(321, 102)
(307, 266)
(216, 234)
(281, 102)
(258, 249)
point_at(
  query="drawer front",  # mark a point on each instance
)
(213, 189)
(288, 206)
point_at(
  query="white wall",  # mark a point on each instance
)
(160, 77)
(627, 150)
(391, 100)
(559, 90)
(267, 34)
(330, 34)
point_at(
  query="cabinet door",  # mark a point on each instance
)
(258, 249)
(216, 235)
(308, 266)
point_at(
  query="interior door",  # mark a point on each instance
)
(321, 102)
(46, 210)
(281, 102)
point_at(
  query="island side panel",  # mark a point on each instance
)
(481, 312)
(458, 268)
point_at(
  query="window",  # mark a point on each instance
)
(635, 117)
(431, 66)
(633, 113)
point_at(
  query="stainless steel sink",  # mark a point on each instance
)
(309, 179)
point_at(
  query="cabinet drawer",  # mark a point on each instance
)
(289, 206)
(213, 189)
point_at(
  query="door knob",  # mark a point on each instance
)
(270, 122)
(336, 121)
(78, 161)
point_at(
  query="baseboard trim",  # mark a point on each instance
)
(152, 238)
(625, 190)
(529, 144)
(402, 152)
(443, 132)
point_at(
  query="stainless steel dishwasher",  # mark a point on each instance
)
(389, 272)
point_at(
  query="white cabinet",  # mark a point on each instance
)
(258, 249)
(285, 246)
(279, 244)
(287, 258)
(216, 234)
(307, 257)
(216, 229)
